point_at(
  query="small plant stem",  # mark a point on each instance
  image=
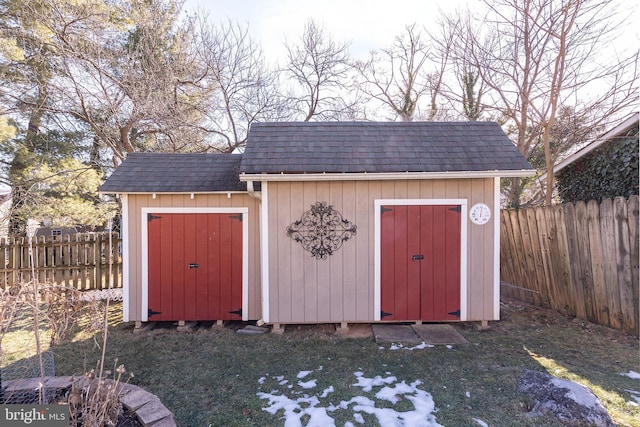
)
(36, 322)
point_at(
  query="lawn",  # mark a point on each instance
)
(210, 377)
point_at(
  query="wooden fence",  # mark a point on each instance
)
(581, 260)
(80, 261)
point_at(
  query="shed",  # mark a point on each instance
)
(343, 222)
(189, 231)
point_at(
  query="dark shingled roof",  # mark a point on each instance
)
(379, 147)
(175, 173)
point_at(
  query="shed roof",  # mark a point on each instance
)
(175, 173)
(379, 147)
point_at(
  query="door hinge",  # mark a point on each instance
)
(455, 313)
(384, 314)
(151, 312)
(238, 217)
(456, 209)
(238, 312)
(151, 217)
(385, 209)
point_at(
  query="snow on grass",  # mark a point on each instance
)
(631, 374)
(401, 346)
(480, 422)
(387, 389)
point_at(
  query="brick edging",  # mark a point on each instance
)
(147, 407)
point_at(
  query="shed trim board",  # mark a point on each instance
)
(382, 176)
(126, 286)
(378, 203)
(145, 250)
(264, 247)
(496, 249)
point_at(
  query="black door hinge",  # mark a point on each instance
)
(456, 209)
(384, 209)
(151, 312)
(384, 314)
(455, 313)
(151, 217)
(238, 217)
(238, 312)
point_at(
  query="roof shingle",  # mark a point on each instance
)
(175, 173)
(379, 147)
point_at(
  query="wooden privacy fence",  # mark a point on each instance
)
(80, 261)
(581, 260)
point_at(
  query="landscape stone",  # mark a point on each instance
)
(571, 403)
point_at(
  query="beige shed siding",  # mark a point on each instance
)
(138, 201)
(341, 288)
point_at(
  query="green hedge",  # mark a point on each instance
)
(607, 172)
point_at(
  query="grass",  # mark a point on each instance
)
(211, 377)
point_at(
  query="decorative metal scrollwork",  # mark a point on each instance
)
(321, 230)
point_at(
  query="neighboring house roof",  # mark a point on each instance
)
(621, 129)
(381, 147)
(175, 173)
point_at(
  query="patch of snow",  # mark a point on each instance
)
(283, 382)
(386, 389)
(420, 346)
(307, 385)
(303, 374)
(262, 380)
(631, 374)
(449, 346)
(326, 391)
(467, 394)
(577, 393)
(480, 422)
(367, 384)
(635, 395)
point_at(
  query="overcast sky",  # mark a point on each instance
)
(366, 24)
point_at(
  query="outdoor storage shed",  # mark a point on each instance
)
(372, 221)
(189, 230)
(319, 223)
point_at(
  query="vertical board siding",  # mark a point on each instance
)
(138, 201)
(582, 260)
(341, 288)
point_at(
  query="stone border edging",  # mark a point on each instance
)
(147, 407)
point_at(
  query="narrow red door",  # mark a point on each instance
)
(420, 262)
(195, 266)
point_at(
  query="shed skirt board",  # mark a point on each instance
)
(420, 262)
(195, 266)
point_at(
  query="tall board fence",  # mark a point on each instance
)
(581, 260)
(81, 261)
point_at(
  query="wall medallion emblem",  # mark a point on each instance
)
(321, 230)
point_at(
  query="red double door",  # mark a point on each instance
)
(420, 262)
(195, 266)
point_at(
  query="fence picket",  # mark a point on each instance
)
(621, 226)
(67, 261)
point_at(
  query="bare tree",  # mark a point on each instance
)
(321, 68)
(245, 88)
(398, 78)
(536, 57)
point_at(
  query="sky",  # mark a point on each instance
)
(366, 24)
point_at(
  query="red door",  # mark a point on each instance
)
(420, 262)
(195, 266)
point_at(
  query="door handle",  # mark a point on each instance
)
(194, 265)
(418, 257)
